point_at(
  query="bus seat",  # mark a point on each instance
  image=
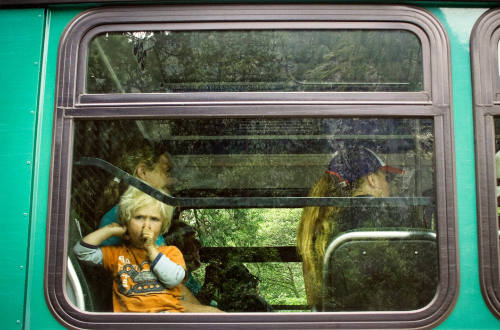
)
(86, 285)
(368, 270)
(77, 288)
(74, 290)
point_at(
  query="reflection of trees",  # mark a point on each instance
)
(254, 60)
(280, 283)
(382, 275)
(258, 157)
(107, 140)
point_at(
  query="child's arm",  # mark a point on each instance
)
(87, 250)
(100, 235)
(168, 272)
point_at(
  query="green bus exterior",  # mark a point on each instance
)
(30, 39)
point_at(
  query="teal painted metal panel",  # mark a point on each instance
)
(38, 315)
(21, 38)
(470, 312)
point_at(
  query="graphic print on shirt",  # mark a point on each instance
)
(137, 280)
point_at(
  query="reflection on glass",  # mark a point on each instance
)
(254, 60)
(379, 270)
(252, 252)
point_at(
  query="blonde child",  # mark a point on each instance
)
(146, 276)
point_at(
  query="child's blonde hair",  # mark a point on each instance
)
(133, 199)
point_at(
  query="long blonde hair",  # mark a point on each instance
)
(317, 226)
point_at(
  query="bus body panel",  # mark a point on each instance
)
(38, 315)
(27, 137)
(471, 311)
(21, 40)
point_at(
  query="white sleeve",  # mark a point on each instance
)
(88, 253)
(168, 272)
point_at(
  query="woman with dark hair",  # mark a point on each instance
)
(141, 161)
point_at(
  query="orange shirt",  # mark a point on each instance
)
(135, 286)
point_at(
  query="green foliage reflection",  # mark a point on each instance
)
(255, 60)
(281, 283)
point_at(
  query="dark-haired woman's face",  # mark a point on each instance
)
(160, 177)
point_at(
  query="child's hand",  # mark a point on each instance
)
(150, 243)
(116, 229)
(148, 236)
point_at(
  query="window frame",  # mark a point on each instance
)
(433, 101)
(485, 40)
(84, 99)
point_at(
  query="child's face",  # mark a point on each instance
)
(148, 216)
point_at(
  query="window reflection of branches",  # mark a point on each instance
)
(257, 60)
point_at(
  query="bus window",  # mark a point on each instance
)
(255, 159)
(254, 60)
(310, 159)
(484, 52)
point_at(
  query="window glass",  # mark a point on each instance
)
(256, 257)
(262, 241)
(254, 60)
